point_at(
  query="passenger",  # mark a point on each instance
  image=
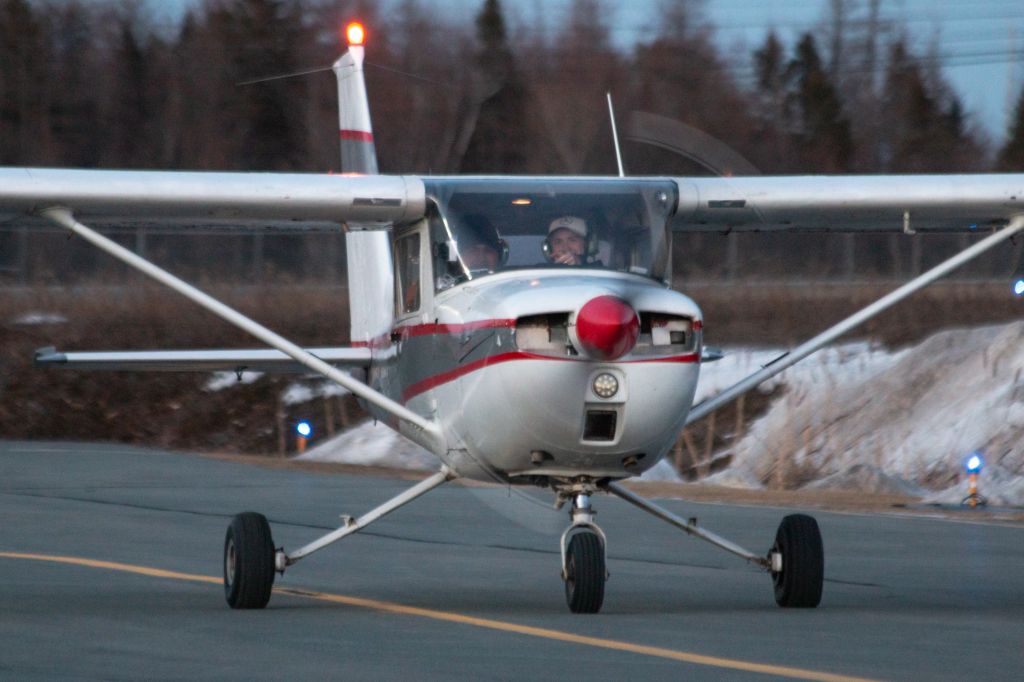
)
(566, 243)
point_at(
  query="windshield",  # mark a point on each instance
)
(487, 225)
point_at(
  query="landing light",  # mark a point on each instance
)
(521, 202)
(606, 385)
(304, 429)
(1018, 287)
(355, 33)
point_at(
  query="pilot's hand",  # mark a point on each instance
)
(567, 258)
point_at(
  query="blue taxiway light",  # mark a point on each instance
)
(304, 429)
(974, 464)
(1018, 287)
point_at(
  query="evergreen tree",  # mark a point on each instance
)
(129, 109)
(264, 121)
(770, 109)
(498, 141)
(23, 94)
(1011, 156)
(824, 131)
(680, 75)
(72, 76)
(924, 129)
(581, 67)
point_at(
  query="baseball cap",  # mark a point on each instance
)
(569, 222)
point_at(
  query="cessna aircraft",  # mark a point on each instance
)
(520, 328)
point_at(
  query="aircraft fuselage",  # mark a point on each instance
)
(499, 365)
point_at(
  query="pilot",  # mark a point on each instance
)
(566, 243)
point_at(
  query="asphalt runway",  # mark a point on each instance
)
(110, 567)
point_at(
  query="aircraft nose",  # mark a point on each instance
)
(606, 327)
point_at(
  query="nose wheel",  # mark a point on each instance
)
(584, 573)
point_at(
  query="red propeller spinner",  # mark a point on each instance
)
(607, 327)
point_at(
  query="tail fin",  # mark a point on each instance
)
(358, 153)
(371, 282)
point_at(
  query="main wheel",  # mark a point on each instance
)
(248, 562)
(584, 573)
(798, 584)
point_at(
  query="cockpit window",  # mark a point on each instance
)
(481, 226)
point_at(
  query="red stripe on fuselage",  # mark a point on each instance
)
(415, 389)
(429, 383)
(359, 135)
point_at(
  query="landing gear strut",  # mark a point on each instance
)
(794, 562)
(250, 558)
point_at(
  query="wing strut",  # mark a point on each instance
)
(789, 359)
(64, 218)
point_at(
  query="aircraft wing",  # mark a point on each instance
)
(304, 201)
(849, 203)
(234, 360)
(300, 201)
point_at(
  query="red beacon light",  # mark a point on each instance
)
(355, 34)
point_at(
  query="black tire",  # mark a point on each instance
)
(798, 585)
(584, 573)
(248, 562)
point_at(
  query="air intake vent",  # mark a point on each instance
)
(599, 425)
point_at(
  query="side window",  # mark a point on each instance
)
(407, 262)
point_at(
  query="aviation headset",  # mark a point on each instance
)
(576, 226)
(480, 231)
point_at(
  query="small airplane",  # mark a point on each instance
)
(522, 329)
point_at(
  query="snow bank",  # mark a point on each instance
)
(864, 419)
(372, 444)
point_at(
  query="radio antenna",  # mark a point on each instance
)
(615, 135)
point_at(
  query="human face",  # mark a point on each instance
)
(566, 247)
(480, 257)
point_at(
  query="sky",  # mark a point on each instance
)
(981, 41)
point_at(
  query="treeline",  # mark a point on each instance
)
(103, 84)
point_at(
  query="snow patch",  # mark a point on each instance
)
(372, 444)
(219, 381)
(36, 318)
(298, 393)
(663, 471)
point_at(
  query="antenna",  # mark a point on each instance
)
(615, 135)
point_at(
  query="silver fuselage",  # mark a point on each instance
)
(516, 412)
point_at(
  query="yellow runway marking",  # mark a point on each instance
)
(447, 616)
